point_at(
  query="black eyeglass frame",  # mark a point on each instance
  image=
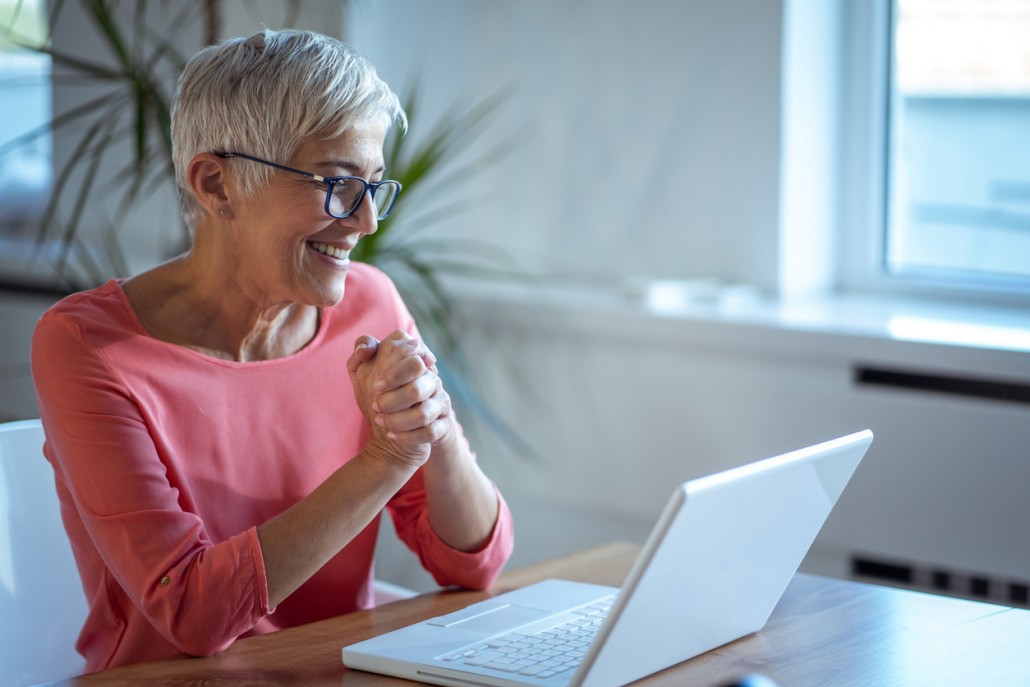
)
(370, 188)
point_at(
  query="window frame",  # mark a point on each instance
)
(25, 265)
(866, 169)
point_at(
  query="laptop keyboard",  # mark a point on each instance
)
(541, 654)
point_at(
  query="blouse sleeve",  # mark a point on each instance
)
(447, 565)
(199, 594)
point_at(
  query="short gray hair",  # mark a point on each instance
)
(264, 96)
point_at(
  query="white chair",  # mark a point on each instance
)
(387, 592)
(42, 605)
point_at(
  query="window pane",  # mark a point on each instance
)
(25, 169)
(959, 192)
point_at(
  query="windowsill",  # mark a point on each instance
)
(968, 336)
(1013, 95)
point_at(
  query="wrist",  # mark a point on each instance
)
(449, 449)
(386, 454)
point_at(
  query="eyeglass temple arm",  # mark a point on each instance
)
(316, 177)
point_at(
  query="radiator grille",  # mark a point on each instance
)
(997, 390)
(938, 579)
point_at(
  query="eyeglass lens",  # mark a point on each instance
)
(348, 194)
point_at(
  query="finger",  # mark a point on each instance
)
(365, 348)
(401, 342)
(418, 390)
(421, 436)
(421, 415)
(404, 344)
(399, 335)
(401, 372)
(428, 358)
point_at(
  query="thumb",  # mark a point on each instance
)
(365, 348)
(366, 342)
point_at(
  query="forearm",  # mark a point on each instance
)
(396, 380)
(461, 500)
(299, 541)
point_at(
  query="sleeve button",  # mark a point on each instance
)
(165, 581)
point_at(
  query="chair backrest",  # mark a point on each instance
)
(42, 605)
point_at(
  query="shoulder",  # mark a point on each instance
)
(85, 330)
(102, 307)
(369, 286)
(372, 302)
(364, 277)
(73, 338)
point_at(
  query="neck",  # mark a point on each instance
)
(200, 302)
(259, 333)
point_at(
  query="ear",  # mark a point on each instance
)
(211, 183)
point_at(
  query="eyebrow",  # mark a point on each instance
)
(350, 167)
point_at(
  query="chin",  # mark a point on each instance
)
(328, 295)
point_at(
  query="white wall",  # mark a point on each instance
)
(647, 137)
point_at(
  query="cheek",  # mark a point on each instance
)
(281, 225)
(291, 204)
(293, 224)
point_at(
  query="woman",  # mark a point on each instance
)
(226, 427)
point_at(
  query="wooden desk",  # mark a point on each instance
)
(823, 632)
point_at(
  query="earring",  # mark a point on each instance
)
(221, 213)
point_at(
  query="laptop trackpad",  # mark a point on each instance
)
(494, 619)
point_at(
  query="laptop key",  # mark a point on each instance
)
(541, 654)
(506, 667)
(483, 658)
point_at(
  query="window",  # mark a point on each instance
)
(25, 168)
(958, 144)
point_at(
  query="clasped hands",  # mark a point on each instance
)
(399, 391)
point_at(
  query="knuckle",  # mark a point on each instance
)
(425, 414)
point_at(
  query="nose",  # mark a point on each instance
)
(364, 219)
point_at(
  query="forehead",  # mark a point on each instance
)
(361, 145)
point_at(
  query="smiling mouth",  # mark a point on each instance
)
(331, 251)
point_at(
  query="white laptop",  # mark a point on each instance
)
(713, 569)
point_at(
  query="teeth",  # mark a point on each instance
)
(325, 249)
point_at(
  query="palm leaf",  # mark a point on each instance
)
(142, 57)
(56, 124)
(105, 130)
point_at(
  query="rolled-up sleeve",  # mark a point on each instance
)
(450, 566)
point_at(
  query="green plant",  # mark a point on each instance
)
(130, 107)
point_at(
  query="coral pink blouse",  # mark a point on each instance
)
(166, 460)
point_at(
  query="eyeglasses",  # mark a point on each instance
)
(343, 194)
